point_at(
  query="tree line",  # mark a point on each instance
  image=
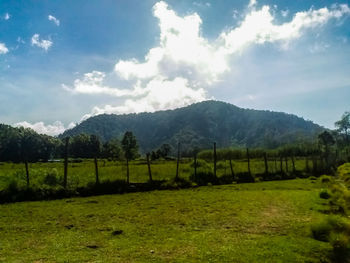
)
(26, 146)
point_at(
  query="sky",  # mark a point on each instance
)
(62, 62)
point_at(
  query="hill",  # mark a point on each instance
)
(200, 124)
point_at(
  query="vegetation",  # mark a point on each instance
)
(201, 124)
(336, 227)
(231, 223)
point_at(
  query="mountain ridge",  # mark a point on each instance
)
(200, 124)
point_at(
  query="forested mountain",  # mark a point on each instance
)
(199, 125)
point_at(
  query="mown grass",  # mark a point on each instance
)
(261, 222)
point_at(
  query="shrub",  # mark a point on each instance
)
(52, 178)
(245, 178)
(321, 230)
(326, 179)
(325, 194)
(341, 246)
(204, 177)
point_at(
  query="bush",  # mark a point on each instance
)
(341, 246)
(321, 230)
(325, 194)
(245, 178)
(204, 177)
(326, 179)
(52, 178)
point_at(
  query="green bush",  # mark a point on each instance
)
(325, 194)
(326, 179)
(52, 178)
(321, 230)
(203, 177)
(341, 247)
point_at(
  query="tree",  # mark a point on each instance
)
(164, 150)
(343, 126)
(111, 150)
(326, 140)
(130, 148)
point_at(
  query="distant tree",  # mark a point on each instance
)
(326, 140)
(164, 150)
(111, 150)
(343, 126)
(130, 148)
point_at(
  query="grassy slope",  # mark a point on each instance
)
(261, 222)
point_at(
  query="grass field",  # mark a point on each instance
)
(80, 174)
(260, 222)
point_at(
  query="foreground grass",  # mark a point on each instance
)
(261, 222)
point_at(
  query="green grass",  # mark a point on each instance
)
(260, 222)
(80, 174)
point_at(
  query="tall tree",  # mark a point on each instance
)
(343, 126)
(130, 148)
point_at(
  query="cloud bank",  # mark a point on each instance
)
(185, 65)
(52, 129)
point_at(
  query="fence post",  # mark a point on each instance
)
(195, 165)
(65, 162)
(178, 160)
(248, 158)
(96, 170)
(27, 171)
(214, 159)
(149, 167)
(266, 164)
(232, 172)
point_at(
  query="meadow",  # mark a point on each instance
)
(259, 222)
(81, 173)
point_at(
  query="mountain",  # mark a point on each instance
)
(200, 124)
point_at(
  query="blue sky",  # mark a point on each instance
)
(63, 61)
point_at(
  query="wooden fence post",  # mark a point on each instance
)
(281, 164)
(27, 171)
(149, 168)
(195, 165)
(248, 158)
(266, 164)
(214, 159)
(65, 175)
(178, 161)
(96, 170)
(293, 163)
(232, 172)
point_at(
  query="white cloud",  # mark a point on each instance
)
(7, 16)
(252, 3)
(54, 19)
(258, 27)
(201, 4)
(184, 65)
(318, 47)
(285, 13)
(92, 83)
(3, 48)
(42, 43)
(161, 94)
(51, 129)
